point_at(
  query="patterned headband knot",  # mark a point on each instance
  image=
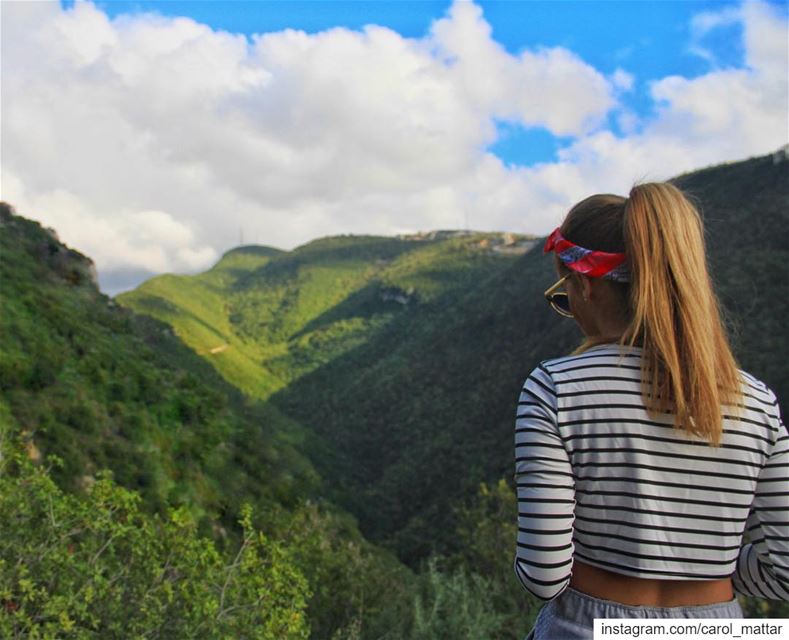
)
(595, 264)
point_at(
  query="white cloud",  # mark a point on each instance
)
(704, 22)
(150, 142)
(707, 21)
(766, 40)
(623, 80)
(153, 241)
(551, 88)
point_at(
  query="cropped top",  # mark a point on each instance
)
(600, 480)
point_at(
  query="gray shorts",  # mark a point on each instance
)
(570, 616)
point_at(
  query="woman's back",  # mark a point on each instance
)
(626, 491)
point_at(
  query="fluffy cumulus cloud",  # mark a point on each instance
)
(150, 143)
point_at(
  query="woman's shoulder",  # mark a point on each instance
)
(755, 389)
(602, 355)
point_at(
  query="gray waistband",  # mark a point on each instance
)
(582, 608)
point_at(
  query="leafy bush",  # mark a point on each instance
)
(96, 566)
(454, 605)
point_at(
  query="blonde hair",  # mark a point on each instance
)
(687, 366)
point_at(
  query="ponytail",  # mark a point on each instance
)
(687, 364)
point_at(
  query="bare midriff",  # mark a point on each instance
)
(649, 592)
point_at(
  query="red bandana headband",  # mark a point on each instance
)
(595, 264)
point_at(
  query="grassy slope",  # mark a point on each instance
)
(264, 324)
(196, 306)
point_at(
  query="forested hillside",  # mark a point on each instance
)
(265, 318)
(101, 387)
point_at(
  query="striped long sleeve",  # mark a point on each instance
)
(546, 497)
(763, 564)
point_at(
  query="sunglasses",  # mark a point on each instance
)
(559, 300)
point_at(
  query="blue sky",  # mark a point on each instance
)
(150, 134)
(603, 32)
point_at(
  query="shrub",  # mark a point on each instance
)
(96, 566)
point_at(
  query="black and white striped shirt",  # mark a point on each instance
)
(598, 479)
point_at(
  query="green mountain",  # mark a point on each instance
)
(101, 387)
(402, 358)
(88, 386)
(265, 318)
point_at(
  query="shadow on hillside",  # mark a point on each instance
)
(409, 423)
(372, 300)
